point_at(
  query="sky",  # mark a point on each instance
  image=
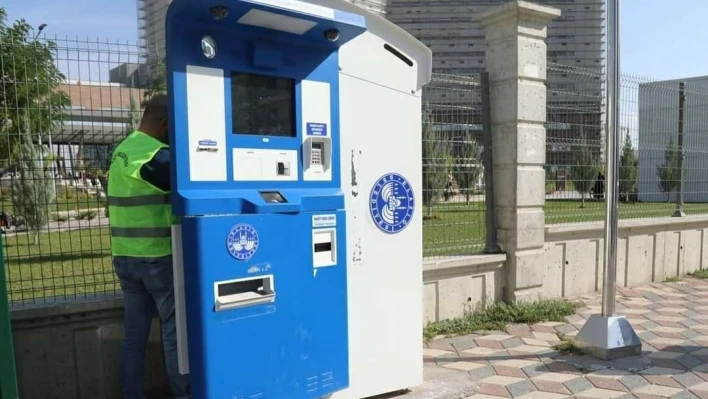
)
(659, 42)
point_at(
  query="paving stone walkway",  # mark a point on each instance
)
(521, 362)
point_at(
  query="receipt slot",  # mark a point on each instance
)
(260, 254)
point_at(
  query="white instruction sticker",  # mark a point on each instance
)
(324, 220)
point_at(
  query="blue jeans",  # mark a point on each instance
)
(147, 285)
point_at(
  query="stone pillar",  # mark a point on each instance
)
(516, 61)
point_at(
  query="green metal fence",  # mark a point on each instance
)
(65, 104)
(57, 138)
(661, 122)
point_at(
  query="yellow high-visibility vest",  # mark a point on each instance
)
(140, 214)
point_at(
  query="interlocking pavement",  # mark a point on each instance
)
(521, 362)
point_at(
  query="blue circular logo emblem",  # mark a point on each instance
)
(242, 241)
(392, 203)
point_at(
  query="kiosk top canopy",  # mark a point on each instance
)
(287, 18)
(391, 33)
(348, 18)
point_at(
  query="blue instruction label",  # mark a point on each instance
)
(316, 129)
(208, 143)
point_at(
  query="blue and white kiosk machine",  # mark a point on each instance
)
(255, 144)
(285, 113)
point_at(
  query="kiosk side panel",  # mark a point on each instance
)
(381, 138)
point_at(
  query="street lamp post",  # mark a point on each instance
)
(607, 335)
(40, 28)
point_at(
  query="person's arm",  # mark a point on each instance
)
(157, 170)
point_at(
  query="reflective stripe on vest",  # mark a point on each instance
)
(140, 200)
(140, 214)
(141, 232)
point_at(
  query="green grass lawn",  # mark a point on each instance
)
(454, 228)
(63, 264)
(74, 263)
(79, 203)
(560, 211)
(457, 228)
(68, 199)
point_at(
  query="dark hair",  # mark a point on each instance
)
(156, 109)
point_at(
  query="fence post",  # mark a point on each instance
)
(8, 374)
(516, 61)
(491, 246)
(681, 113)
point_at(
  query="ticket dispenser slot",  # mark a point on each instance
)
(324, 247)
(243, 292)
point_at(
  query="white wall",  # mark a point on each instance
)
(650, 251)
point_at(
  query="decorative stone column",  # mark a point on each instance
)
(516, 62)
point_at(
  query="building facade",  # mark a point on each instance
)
(151, 25)
(575, 40)
(447, 27)
(575, 46)
(99, 117)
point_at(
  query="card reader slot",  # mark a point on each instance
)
(240, 293)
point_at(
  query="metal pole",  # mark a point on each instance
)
(613, 155)
(491, 245)
(41, 153)
(609, 336)
(681, 111)
(52, 169)
(8, 371)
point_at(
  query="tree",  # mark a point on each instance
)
(434, 155)
(133, 116)
(467, 167)
(448, 167)
(157, 82)
(32, 192)
(585, 169)
(29, 81)
(628, 171)
(668, 173)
